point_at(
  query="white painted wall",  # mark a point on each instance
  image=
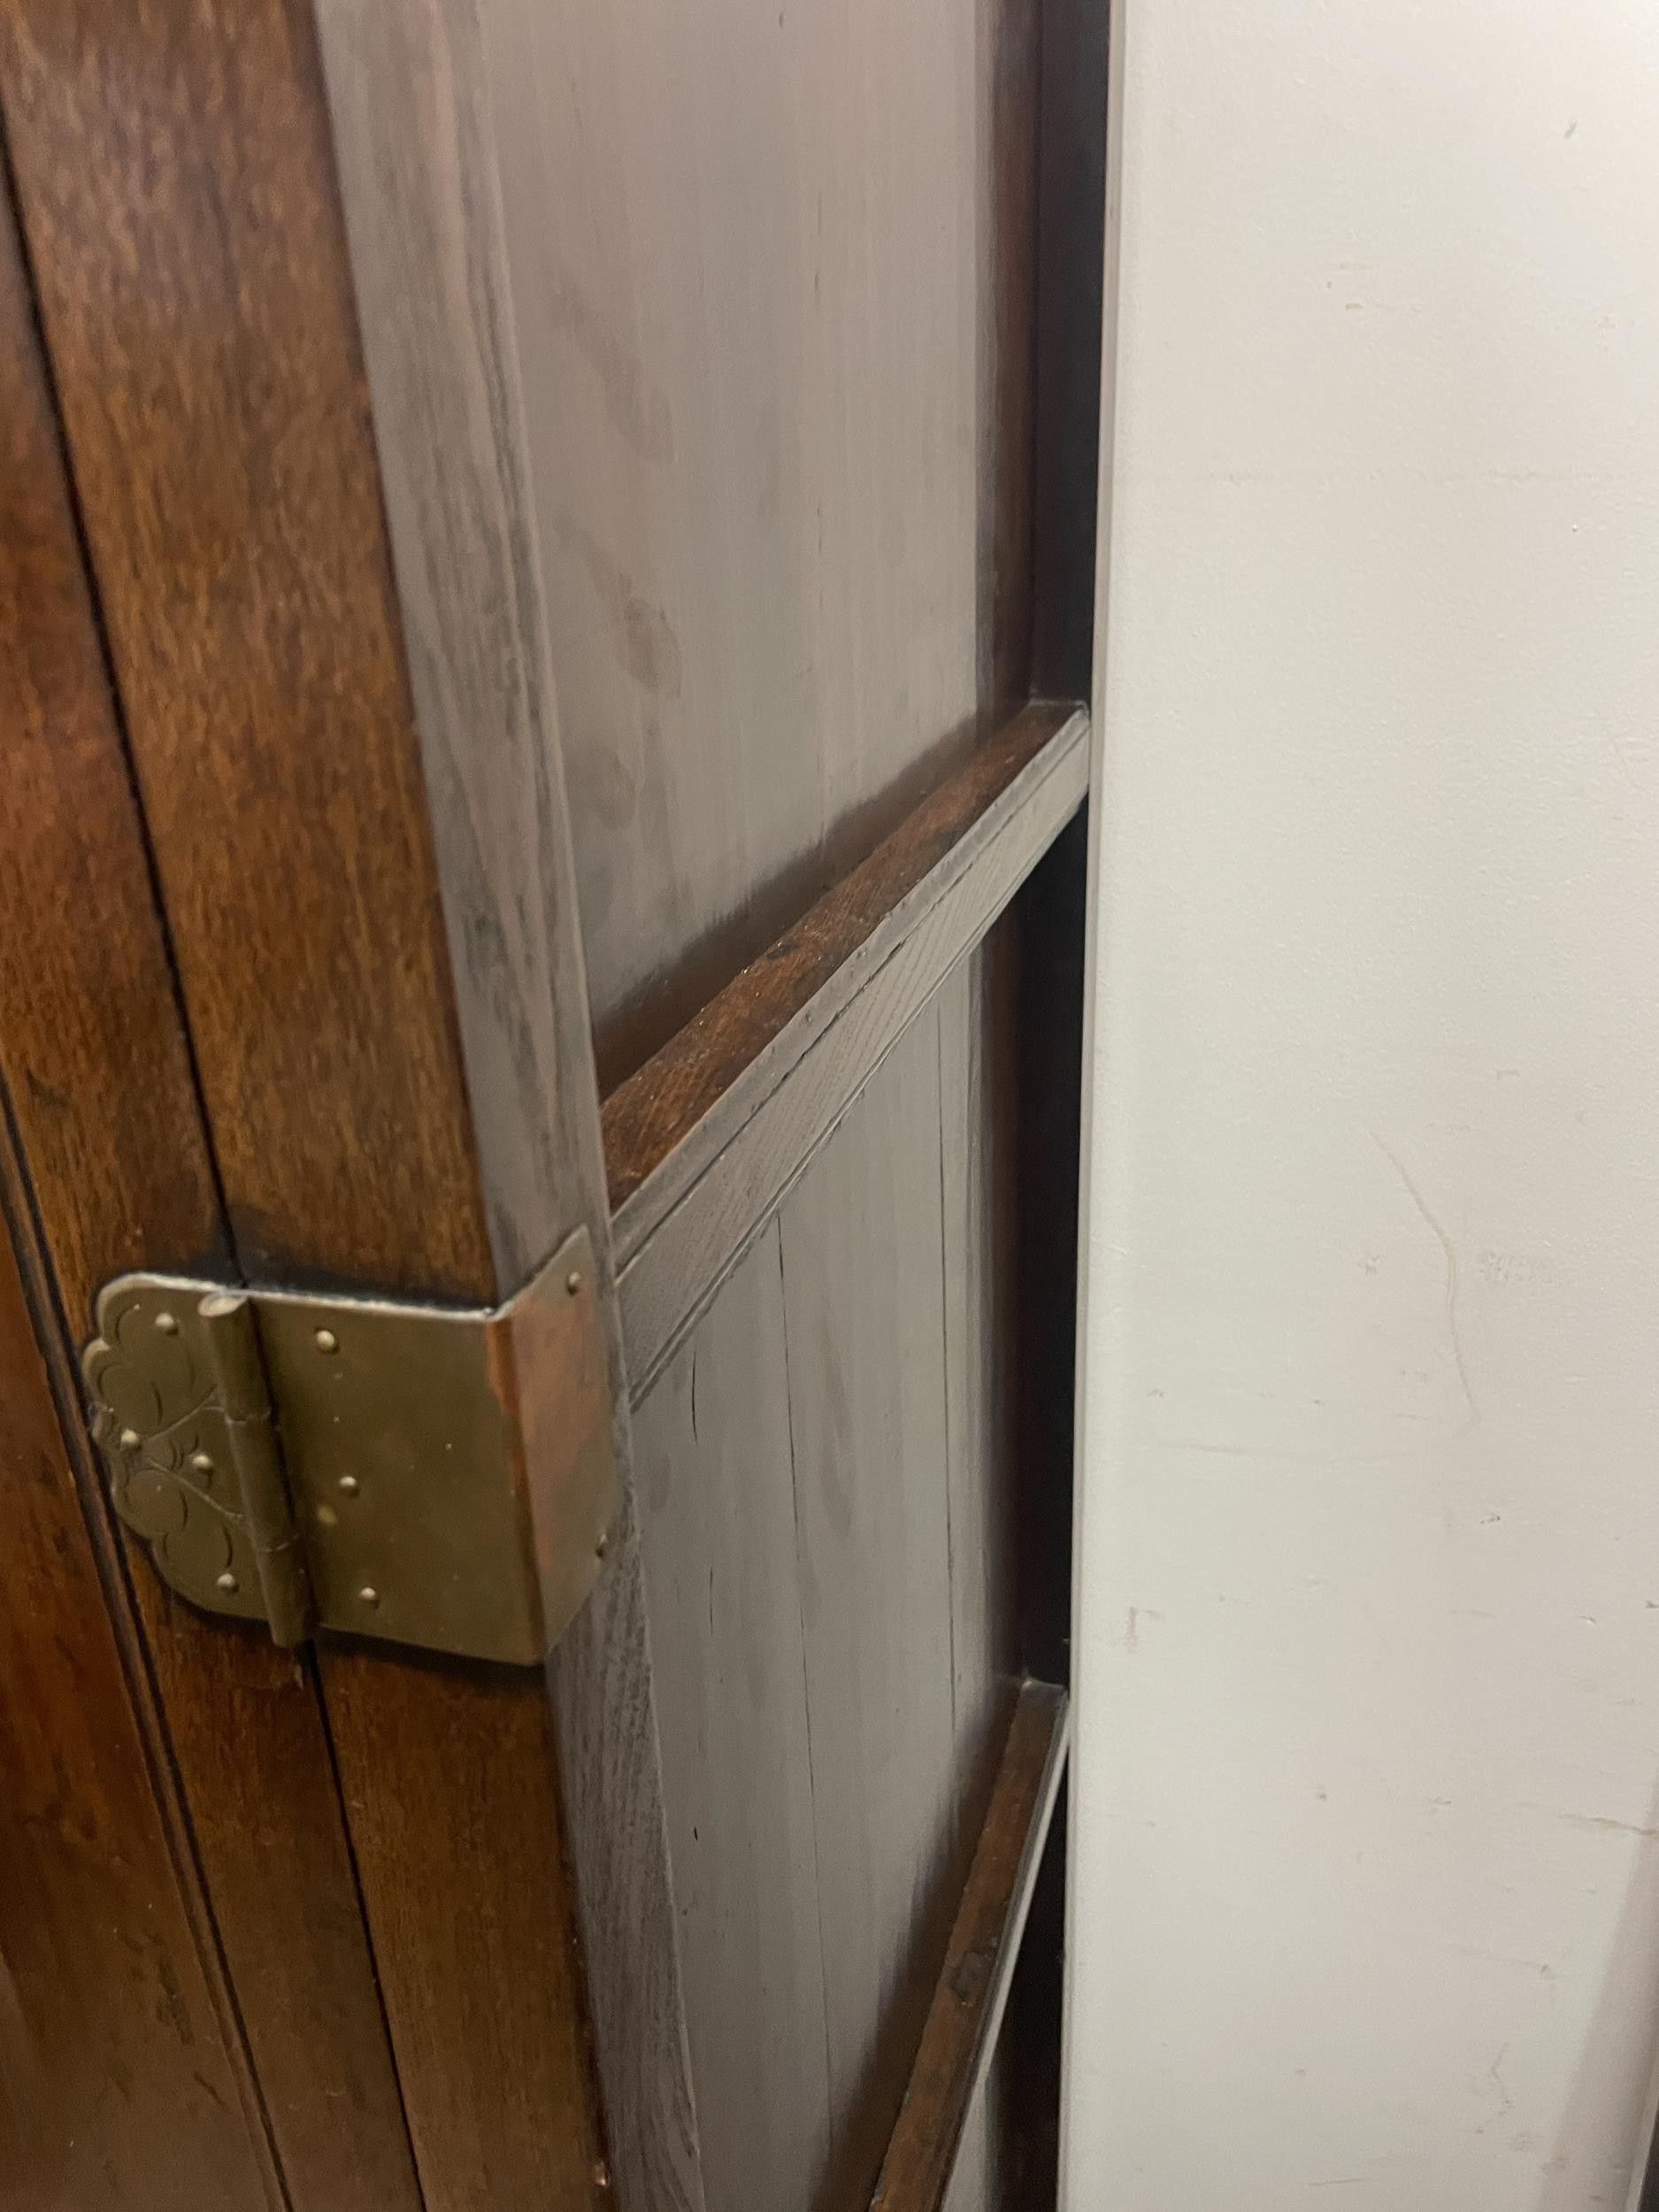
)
(1367, 1911)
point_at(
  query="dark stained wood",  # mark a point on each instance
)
(483, 1986)
(416, 151)
(756, 267)
(197, 310)
(174, 181)
(734, 1051)
(717, 1509)
(671, 1262)
(864, 1314)
(119, 2084)
(979, 1966)
(426, 141)
(93, 1061)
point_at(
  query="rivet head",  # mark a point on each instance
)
(201, 1463)
(130, 1439)
(167, 1324)
(325, 1340)
(573, 1281)
(368, 1594)
(349, 1484)
(602, 1546)
(226, 1582)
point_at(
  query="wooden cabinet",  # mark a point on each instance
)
(547, 569)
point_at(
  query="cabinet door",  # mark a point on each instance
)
(572, 533)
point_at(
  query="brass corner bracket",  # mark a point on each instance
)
(434, 1476)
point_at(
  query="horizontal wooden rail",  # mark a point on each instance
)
(705, 1142)
(972, 1990)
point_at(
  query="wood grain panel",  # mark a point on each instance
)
(712, 1449)
(117, 2086)
(198, 309)
(93, 1060)
(174, 182)
(756, 256)
(861, 1240)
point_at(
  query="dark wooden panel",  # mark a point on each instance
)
(759, 270)
(717, 1504)
(864, 1310)
(979, 1961)
(117, 2085)
(673, 1260)
(174, 175)
(177, 187)
(709, 1078)
(94, 1059)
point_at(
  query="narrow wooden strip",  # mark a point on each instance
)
(973, 1985)
(427, 114)
(671, 1275)
(670, 1118)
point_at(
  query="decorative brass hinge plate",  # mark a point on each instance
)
(433, 1476)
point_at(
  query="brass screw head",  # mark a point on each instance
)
(130, 1439)
(573, 1281)
(201, 1463)
(368, 1594)
(349, 1484)
(167, 1325)
(325, 1340)
(226, 1582)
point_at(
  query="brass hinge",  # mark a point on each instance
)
(434, 1476)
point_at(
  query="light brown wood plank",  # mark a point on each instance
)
(667, 1280)
(686, 1100)
(967, 2006)
(717, 1504)
(862, 1295)
(103, 1105)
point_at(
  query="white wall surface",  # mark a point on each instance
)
(1367, 1906)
